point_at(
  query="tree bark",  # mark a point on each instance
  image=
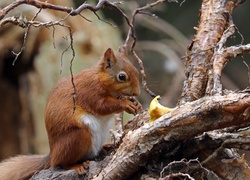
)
(189, 120)
(214, 20)
(182, 137)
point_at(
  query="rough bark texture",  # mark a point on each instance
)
(190, 120)
(179, 143)
(214, 20)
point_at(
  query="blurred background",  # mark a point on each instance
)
(162, 41)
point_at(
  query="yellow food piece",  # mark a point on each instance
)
(156, 110)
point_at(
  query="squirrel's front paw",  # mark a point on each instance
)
(132, 106)
(137, 104)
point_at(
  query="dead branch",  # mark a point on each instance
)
(23, 22)
(189, 120)
(131, 34)
(183, 168)
(220, 58)
(25, 36)
(69, 10)
(45, 5)
(214, 21)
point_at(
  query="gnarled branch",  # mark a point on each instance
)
(187, 121)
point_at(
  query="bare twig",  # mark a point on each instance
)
(248, 71)
(214, 83)
(140, 10)
(234, 51)
(69, 10)
(71, 71)
(187, 168)
(131, 34)
(25, 35)
(221, 58)
(177, 175)
(35, 3)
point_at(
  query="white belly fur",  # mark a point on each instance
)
(99, 127)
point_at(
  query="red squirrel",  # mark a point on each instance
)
(78, 135)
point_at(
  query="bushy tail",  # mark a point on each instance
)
(22, 167)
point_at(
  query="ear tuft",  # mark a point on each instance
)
(109, 58)
(123, 50)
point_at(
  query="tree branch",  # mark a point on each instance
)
(187, 121)
(214, 21)
(131, 34)
(69, 10)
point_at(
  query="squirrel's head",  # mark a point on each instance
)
(118, 74)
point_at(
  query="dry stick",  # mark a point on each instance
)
(144, 77)
(223, 55)
(25, 37)
(53, 36)
(222, 58)
(183, 162)
(71, 46)
(69, 10)
(131, 33)
(38, 4)
(71, 71)
(100, 4)
(140, 10)
(177, 175)
(219, 61)
(248, 71)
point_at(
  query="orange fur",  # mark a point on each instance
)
(75, 136)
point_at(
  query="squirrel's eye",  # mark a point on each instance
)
(122, 76)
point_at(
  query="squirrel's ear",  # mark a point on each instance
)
(109, 58)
